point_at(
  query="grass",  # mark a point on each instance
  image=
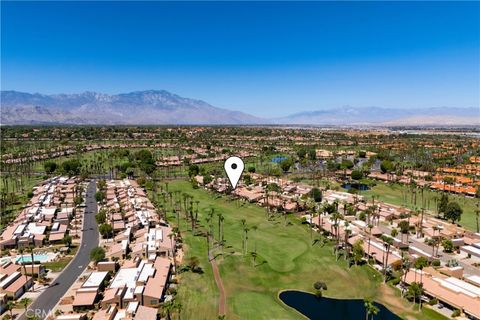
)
(395, 194)
(286, 260)
(59, 265)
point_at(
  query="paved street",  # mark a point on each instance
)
(51, 296)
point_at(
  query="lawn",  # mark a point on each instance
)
(58, 265)
(287, 259)
(395, 194)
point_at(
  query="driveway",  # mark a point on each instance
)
(44, 304)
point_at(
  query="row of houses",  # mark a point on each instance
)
(286, 197)
(133, 280)
(46, 217)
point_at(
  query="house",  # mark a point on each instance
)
(449, 290)
(85, 298)
(15, 284)
(156, 286)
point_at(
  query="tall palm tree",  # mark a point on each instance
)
(32, 262)
(9, 307)
(421, 263)
(406, 264)
(387, 242)
(336, 216)
(21, 250)
(220, 223)
(246, 229)
(25, 302)
(370, 309)
(244, 222)
(370, 226)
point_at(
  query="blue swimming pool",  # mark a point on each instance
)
(36, 258)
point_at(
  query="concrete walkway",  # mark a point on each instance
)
(218, 281)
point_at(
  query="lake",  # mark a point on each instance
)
(358, 186)
(327, 308)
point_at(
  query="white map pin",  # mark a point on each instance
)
(234, 168)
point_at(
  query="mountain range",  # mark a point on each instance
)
(162, 107)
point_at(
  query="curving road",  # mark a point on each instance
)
(48, 299)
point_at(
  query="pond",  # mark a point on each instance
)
(355, 185)
(278, 159)
(327, 308)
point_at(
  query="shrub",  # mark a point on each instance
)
(456, 313)
(433, 301)
(436, 263)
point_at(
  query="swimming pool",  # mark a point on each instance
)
(26, 258)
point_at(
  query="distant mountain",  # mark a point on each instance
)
(441, 116)
(140, 107)
(163, 107)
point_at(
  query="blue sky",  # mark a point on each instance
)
(267, 59)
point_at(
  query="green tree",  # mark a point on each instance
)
(25, 302)
(386, 166)
(67, 240)
(50, 166)
(101, 216)
(370, 309)
(71, 167)
(99, 196)
(319, 286)
(443, 203)
(404, 227)
(357, 175)
(105, 230)
(346, 164)
(316, 194)
(447, 245)
(193, 170)
(415, 291)
(97, 254)
(357, 251)
(453, 212)
(286, 164)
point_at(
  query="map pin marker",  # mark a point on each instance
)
(234, 168)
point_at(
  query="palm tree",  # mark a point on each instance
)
(168, 307)
(25, 302)
(32, 264)
(220, 229)
(9, 307)
(370, 309)
(336, 217)
(20, 250)
(347, 232)
(394, 232)
(477, 213)
(421, 263)
(406, 264)
(387, 242)
(254, 256)
(244, 222)
(370, 226)
(246, 229)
